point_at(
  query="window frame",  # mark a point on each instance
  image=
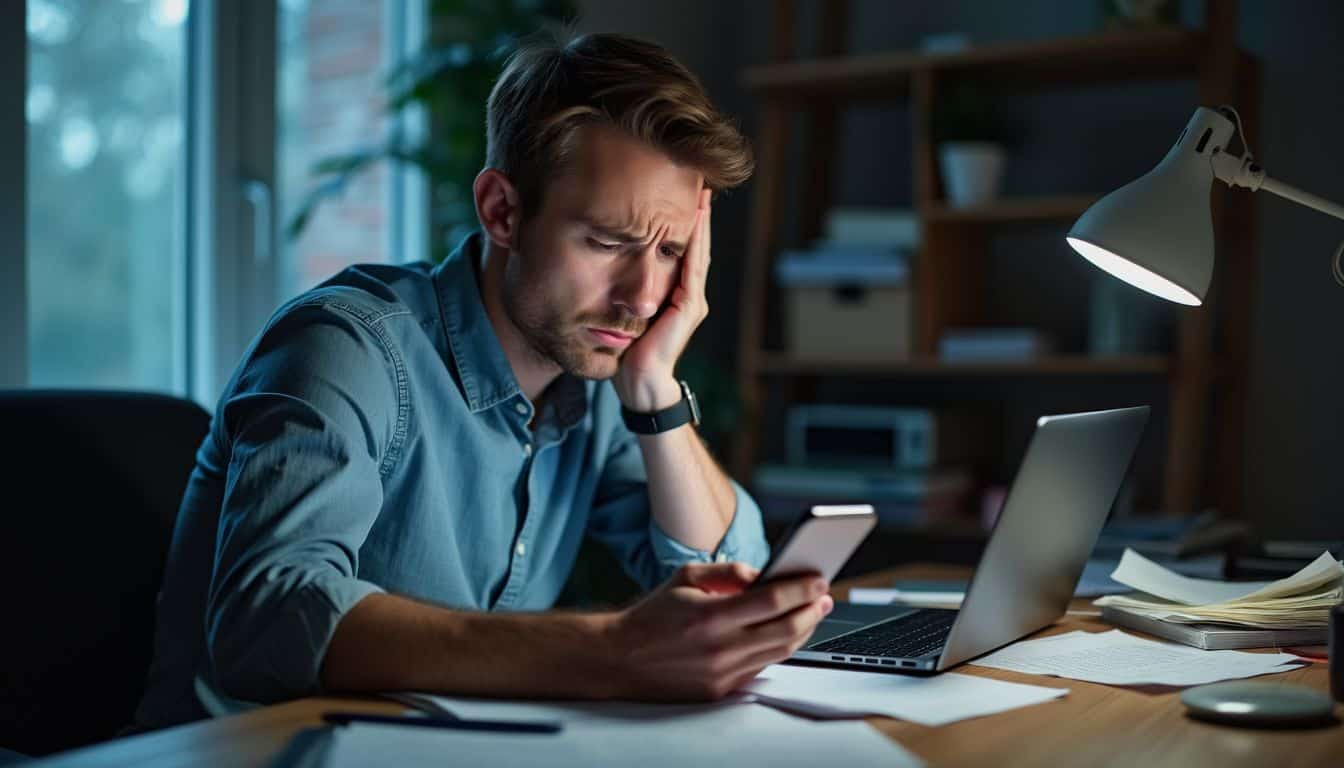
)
(236, 249)
(406, 24)
(14, 194)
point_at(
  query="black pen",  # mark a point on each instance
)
(498, 726)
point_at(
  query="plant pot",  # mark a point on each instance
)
(972, 171)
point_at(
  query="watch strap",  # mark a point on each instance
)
(684, 411)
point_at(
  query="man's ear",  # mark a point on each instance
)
(497, 207)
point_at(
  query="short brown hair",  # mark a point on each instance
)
(548, 91)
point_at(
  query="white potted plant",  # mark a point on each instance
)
(970, 142)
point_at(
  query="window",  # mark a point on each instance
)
(148, 199)
(332, 62)
(105, 259)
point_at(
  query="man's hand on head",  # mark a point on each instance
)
(646, 381)
(703, 635)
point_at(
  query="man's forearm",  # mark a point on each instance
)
(692, 500)
(391, 643)
(699, 636)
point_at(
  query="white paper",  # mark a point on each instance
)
(1324, 570)
(880, 596)
(936, 700)
(1144, 575)
(1096, 580)
(1118, 658)
(648, 736)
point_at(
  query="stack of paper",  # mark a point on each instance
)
(1302, 600)
(1116, 658)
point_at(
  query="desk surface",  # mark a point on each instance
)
(1093, 725)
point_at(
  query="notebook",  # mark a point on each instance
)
(1214, 637)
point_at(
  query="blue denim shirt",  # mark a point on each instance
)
(374, 438)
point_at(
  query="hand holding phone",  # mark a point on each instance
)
(821, 541)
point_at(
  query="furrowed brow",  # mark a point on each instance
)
(620, 235)
(609, 232)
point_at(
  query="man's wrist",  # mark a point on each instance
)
(608, 680)
(654, 395)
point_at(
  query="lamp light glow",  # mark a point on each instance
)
(1134, 274)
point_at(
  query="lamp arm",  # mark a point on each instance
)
(1302, 198)
(1244, 172)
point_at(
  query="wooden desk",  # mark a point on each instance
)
(1093, 725)
(1105, 725)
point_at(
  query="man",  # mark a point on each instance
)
(401, 470)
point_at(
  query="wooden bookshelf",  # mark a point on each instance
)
(1204, 463)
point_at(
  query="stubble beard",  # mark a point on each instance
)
(552, 337)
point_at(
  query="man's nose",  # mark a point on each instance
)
(642, 284)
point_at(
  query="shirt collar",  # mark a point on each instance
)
(483, 368)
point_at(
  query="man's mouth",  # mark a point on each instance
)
(608, 338)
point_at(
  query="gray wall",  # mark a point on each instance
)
(1295, 415)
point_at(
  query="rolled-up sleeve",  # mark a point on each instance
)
(622, 519)
(310, 421)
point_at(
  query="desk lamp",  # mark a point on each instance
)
(1156, 233)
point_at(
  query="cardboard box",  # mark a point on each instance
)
(846, 309)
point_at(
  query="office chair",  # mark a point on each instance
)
(91, 483)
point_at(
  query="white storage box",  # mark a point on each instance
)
(847, 305)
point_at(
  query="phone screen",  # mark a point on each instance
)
(821, 541)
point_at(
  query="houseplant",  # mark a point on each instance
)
(451, 80)
(970, 140)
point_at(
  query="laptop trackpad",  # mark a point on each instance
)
(847, 617)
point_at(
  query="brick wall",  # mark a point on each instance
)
(333, 75)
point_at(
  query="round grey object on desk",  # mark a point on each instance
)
(1259, 703)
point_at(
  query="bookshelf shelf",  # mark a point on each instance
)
(784, 365)
(1109, 56)
(1011, 211)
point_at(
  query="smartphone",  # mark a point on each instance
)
(820, 541)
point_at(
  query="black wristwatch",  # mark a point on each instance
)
(686, 410)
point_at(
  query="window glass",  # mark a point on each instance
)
(106, 136)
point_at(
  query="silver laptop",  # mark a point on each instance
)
(1063, 491)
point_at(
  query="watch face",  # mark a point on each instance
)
(689, 396)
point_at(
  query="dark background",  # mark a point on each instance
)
(1295, 419)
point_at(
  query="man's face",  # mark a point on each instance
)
(594, 266)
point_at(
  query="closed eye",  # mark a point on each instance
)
(601, 246)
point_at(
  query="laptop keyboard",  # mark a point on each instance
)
(907, 637)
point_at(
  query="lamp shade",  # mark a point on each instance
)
(1156, 232)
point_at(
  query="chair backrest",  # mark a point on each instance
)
(90, 483)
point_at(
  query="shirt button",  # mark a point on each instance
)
(527, 449)
(520, 549)
(721, 558)
(521, 408)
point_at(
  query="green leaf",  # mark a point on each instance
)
(451, 79)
